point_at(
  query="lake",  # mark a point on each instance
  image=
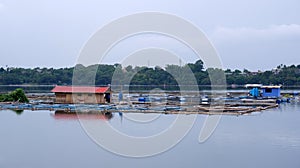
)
(34, 139)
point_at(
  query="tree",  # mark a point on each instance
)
(228, 71)
(237, 72)
(246, 71)
(16, 95)
(197, 67)
(129, 68)
(19, 95)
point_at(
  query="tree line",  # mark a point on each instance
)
(167, 76)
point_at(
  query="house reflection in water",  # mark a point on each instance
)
(61, 115)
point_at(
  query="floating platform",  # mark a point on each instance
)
(217, 109)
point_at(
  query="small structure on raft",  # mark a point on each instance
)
(82, 95)
(271, 91)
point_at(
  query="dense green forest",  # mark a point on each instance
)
(285, 75)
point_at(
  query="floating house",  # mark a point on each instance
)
(82, 94)
(258, 90)
(271, 91)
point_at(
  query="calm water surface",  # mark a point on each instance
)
(35, 139)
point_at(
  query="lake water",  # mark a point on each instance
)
(35, 139)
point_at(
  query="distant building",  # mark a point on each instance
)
(270, 91)
(82, 94)
(276, 71)
(256, 73)
(253, 85)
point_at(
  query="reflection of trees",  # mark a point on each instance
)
(102, 74)
(18, 112)
(108, 115)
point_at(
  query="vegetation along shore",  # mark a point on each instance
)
(282, 74)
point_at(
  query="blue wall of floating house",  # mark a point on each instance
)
(271, 92)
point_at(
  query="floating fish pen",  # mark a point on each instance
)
(239, 108)
(234, 109)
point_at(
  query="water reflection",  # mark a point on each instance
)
(18, 112)
(267, 139)
(121, 116)
(62, 115)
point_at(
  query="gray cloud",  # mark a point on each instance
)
(258, 48)
(51, 33)
(1, 6)
(244, 34)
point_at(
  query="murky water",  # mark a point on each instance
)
(34, 139)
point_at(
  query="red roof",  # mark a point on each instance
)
(79, 89)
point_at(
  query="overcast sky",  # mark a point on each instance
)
(251, 34)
